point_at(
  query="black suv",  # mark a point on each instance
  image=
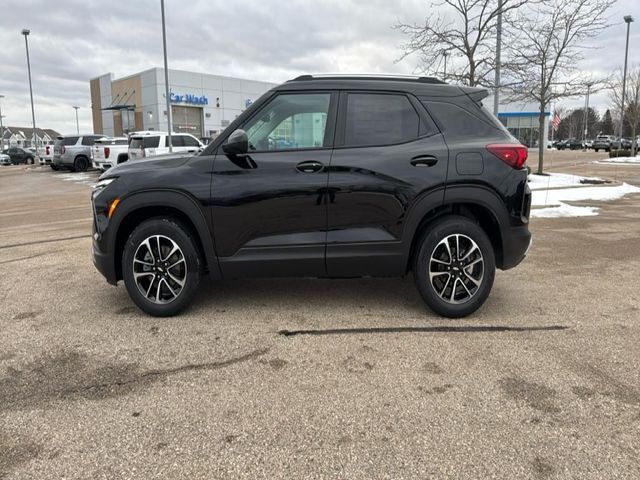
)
(326, 177)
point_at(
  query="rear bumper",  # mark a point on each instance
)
(516, 242)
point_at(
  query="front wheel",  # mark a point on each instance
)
(55, 168)
(454, 267)
(29, 161)
(161, 266)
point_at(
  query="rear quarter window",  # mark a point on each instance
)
(460, 122)
(67, 141)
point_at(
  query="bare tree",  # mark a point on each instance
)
(544, 52)
(462, 31)
(632, 100)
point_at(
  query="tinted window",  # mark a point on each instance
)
(190, 142)
(380, 119)
(460, 122)
(69, 140)
(290, 121)
(87, 141)
(144, 142)
(176, 140)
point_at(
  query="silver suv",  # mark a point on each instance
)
(73, 152)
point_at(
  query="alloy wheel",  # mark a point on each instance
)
(456, 269)
(159, 269)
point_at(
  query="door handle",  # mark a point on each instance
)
(424, 161)
(310, 166)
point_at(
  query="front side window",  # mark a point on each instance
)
(190, 141)
(290, 121)
(380, 119)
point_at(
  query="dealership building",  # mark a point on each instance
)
(521, 119)
(201, 104)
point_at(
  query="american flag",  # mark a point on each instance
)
(555, 121)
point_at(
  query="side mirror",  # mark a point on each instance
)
(237, 143)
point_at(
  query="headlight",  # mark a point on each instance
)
(101, 185)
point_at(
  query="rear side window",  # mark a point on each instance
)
(88, 141)
(69, 141)
(176, 140)
(457, 121)
(380, 119)
(144, 142)
(190, 141)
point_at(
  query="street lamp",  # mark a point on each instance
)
(77, 124)
(627, 19)
(586, 115)
(1, 127)
(26, 33)
(166, 78)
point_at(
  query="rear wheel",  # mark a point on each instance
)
(161, 266)
(55, 168)
(29, 161)
(454, 267)
(80, 164)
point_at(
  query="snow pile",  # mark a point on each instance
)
(555, 180)
(555, 198)
(624, 160)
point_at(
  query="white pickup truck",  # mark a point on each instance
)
(109, 152)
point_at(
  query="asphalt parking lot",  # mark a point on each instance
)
(318, 378)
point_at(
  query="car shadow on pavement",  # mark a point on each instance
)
(435, 329)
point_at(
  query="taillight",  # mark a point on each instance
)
(107, 151)
(47, 150)
(512, 154)
(62, 149)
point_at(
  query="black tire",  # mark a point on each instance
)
(29, 161)
(431, 239)
(171, 230)
(80, 164)
(122, 158)
(596, 149)
(55, 168)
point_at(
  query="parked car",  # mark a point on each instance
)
(624, 144)
(391, 175)
(588, 143)
(46, 156)
(109, 152)
(149, 144)
(73, 152)
(603, 142)
(21, 155)
(5, 159)
(571, 144)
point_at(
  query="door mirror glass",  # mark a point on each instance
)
(237, 143)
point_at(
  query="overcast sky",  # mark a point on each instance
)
(72, 41)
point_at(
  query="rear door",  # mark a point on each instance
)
(388, 153)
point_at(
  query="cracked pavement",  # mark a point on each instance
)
(302, 378)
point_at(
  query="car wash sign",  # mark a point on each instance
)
(189, 99)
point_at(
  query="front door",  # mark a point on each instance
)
(268, 207)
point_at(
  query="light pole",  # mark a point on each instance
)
(77, 124)
(26, 33)
(496, 93)
(445, 54)
(586, 116)
(627, 19)
(166, 78)
(1, 127)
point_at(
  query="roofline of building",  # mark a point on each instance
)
(183, 71)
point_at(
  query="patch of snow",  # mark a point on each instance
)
(564, 210)
(555, 180)
(602, 194)
(624, 160)
(556, 198)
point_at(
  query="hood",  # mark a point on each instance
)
(157, 162)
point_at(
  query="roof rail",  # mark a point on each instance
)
(391, 77)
